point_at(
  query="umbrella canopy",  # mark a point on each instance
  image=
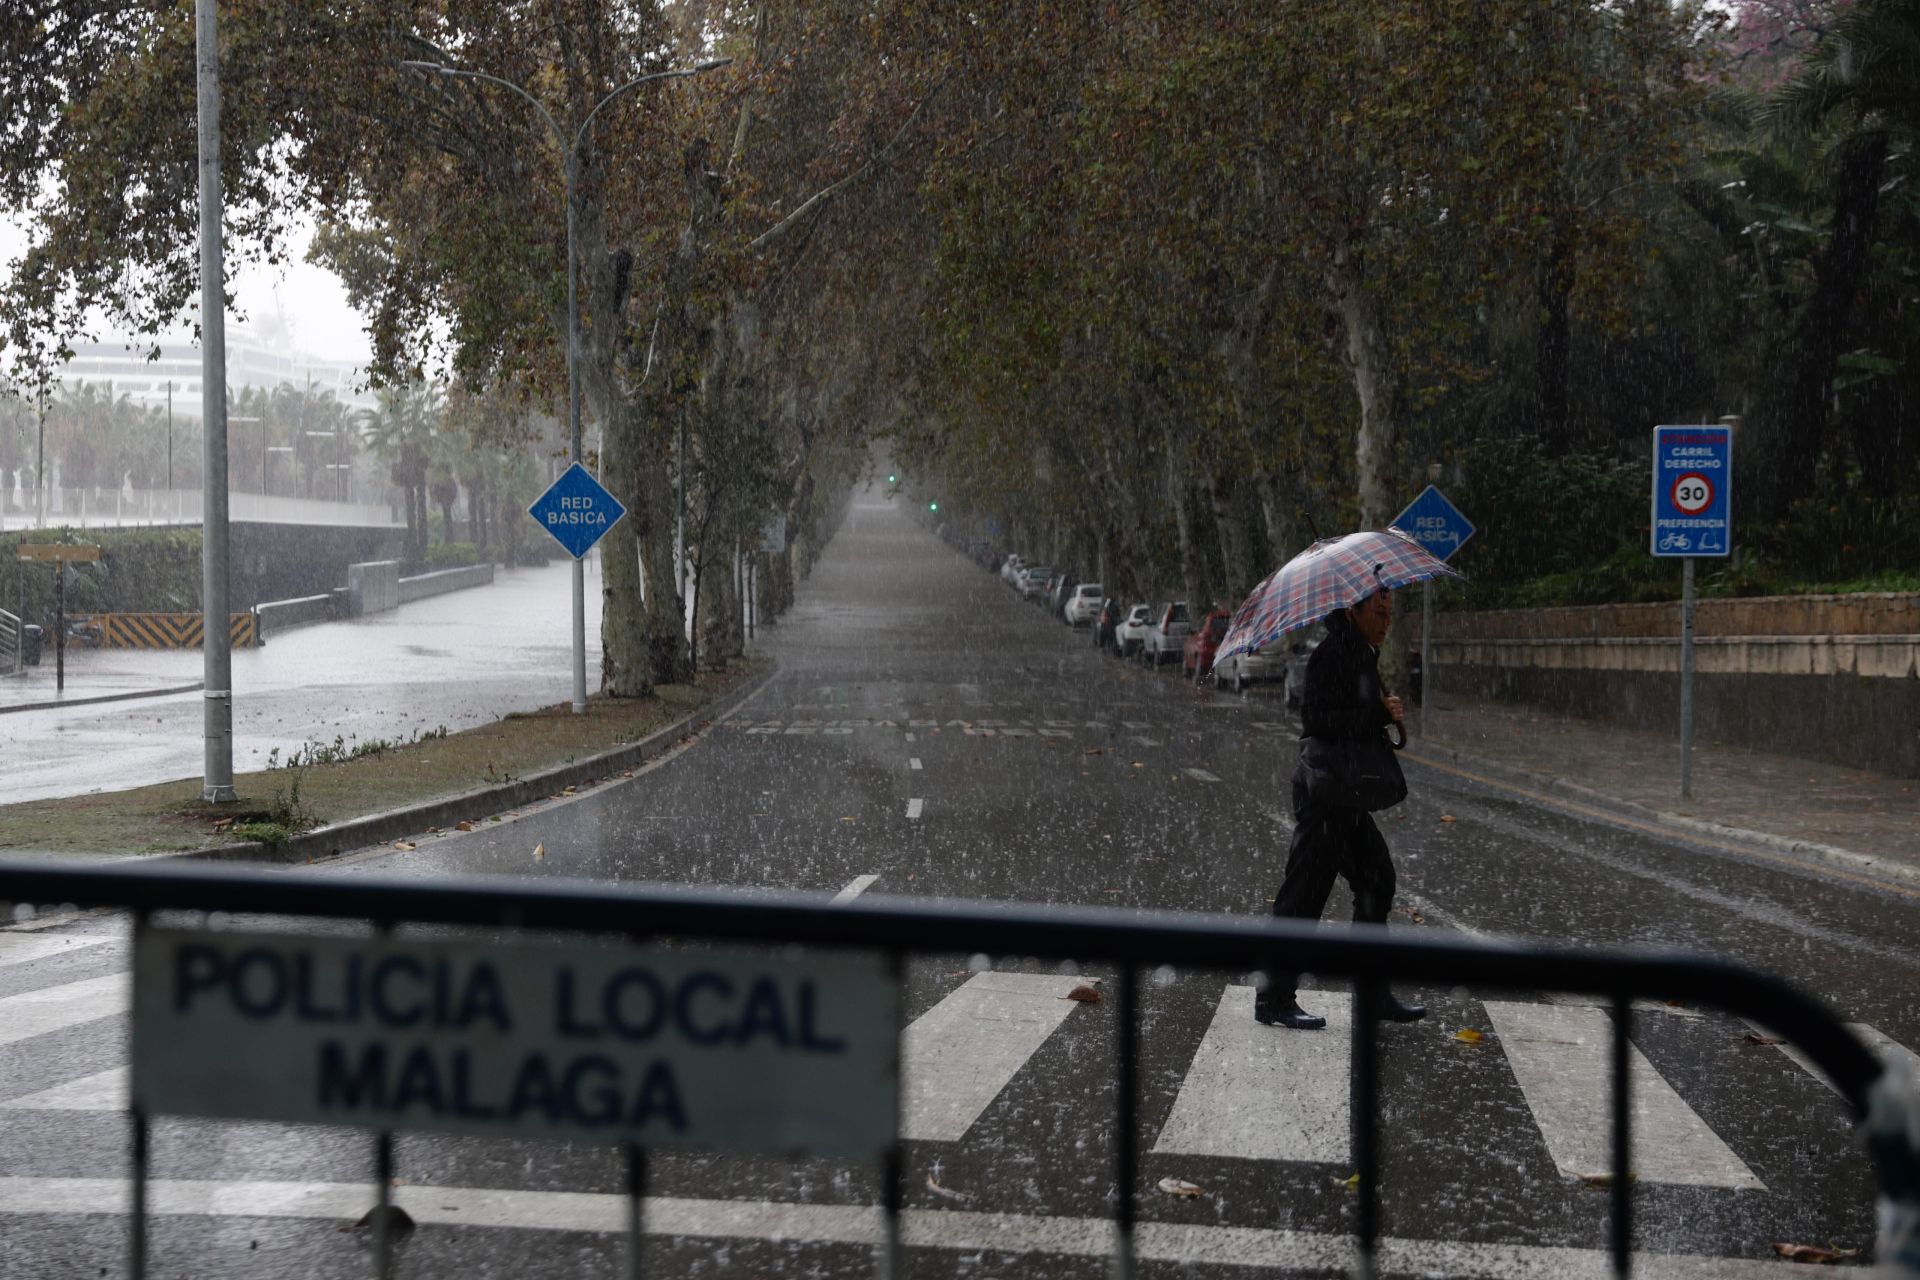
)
(1331, 574)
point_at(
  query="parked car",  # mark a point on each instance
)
(1060, 591)
(1084, 605)
(1196, 654)
(1299, 649)
(1033, 580)
(1131, 631)
(1105, 622)
(1170, 630)
(1010, 570)
(1269, 665)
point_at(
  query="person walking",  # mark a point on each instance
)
(1343, 702)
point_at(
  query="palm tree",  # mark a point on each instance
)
(400, 433)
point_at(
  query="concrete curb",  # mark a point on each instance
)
(195, 687)
(1845, 858)
(379, 828)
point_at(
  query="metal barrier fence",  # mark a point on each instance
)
(12, 644)
(898, 928)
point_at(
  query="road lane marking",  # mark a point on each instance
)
(102, 1091)
(914, 764)
(857, 886)
(36, 1013)
(862, 1226)
(1884, 1047)
(1560, 1055)
(24, 948)
(1820, 868)
(1143, 741)
(1200, 775)
(913, 809)
(957, 1056)
(1265, 1093)
(910, 738)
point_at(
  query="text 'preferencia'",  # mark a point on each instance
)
(653, 1047)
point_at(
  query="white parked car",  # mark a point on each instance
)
(1131, 631)
(1010, 571)
(1171, 627)
(1268, 666)
(1033, 580)
(1084, 605)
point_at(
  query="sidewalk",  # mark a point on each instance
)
(1779, 801)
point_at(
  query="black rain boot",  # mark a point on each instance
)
(1291, 1016)
(1395, 1011)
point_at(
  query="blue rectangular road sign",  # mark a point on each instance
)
(1692, 491)
(1435, 524)
(577, 510)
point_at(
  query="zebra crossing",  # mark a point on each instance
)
(1246, 1092)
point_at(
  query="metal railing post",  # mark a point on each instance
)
(383, 1204)
(1621, 1228)
(893, 1164)
(1366, 1123)
(137, 1210)
(1126, 1088)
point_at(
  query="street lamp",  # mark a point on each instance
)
(571, 155)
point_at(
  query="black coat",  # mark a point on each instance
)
(1341, 697)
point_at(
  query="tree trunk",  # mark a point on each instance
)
(1554, 343)
(624, 671)
(1235, 554)
(1177, 497)
(1375, 442)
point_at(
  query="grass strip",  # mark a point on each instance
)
(354, 782)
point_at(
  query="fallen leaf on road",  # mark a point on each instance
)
(1606, 1179)
(933, 1185)
(1467, 1035)
(1754, 1037)
(1136, 765)
(433, 831)
(221, 824)
(1084, 994)
(1813, 1253)
(1447, 817)
(846, 819)
(404, 846)
(1178, 1187)
(1351, 1183)
(539, 852)
(1412, 915)
(1096, 751)
(463, 826)
(567, 791)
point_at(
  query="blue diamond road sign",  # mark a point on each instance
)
(1692, 491)
(1434, 523)
(577, 510)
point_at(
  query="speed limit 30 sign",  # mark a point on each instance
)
(1692, 489)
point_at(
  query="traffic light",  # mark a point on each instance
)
(933, 506)
(893, 479)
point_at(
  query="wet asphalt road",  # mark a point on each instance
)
(912, 682)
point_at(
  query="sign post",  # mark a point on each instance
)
(1437, 525)
(577, 511)
(1692, 505)
(60, 553)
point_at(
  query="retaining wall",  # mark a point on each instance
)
(278, 615)
(373, 587)
(1778, 674)
(442, 581)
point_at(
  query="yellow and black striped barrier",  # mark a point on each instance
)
(169, 630)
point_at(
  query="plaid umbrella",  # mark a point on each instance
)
(1331, 574)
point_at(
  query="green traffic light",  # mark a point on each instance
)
(933, 506)
(893, 479)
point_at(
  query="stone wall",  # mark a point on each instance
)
(1832, 678)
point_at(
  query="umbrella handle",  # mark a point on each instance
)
(1397, 735)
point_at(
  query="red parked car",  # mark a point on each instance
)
(1196, 655)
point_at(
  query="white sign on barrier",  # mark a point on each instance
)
(695, 1049)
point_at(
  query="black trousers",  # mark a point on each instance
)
(1330, 842)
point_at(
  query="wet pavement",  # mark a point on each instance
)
(457, 660)
(1872, 815)
(928, 735)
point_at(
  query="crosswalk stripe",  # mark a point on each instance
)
(855, 887)
(35, 1013)
(102, 1091)
(22, 948)
(946, 1229)
(1884, 1046)
(1560, 1055)
(957, 1056)
(1200, 775)
(1261, 1093)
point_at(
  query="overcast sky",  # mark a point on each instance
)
(311, 298)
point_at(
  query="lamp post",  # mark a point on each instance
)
(570, 154)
